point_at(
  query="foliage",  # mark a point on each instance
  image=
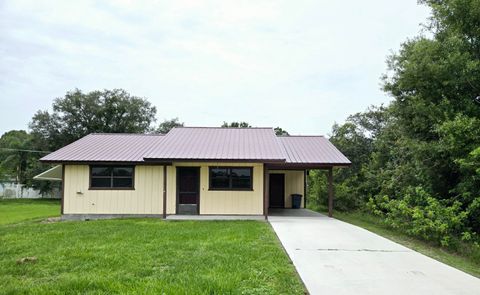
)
(168, 125)
(235, 125)
(419, 214)
(280, 132)
(19, 160)
(416, 161)
(78, 114)
(14, 155)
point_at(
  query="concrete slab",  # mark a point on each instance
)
(215, 217)
(334, 257)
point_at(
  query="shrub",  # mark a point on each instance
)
(420, 215)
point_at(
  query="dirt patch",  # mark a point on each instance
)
(31, 259)
(52, 220)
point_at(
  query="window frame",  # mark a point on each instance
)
(229, 188)
(111, 177)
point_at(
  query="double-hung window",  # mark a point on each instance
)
(112, 177)
(230, 178)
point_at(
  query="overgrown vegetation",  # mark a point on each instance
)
(416, 161)
(141, 256)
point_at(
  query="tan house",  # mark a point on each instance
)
(207, 171)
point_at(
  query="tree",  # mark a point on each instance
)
(236, 125)
(280, 132)
(15, 156)
(78, 114)
(19, 160)
(415, 161)
(168, 125)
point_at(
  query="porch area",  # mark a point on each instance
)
(283, 181)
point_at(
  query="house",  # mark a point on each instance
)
(190, 170)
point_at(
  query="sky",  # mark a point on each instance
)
(300, 65)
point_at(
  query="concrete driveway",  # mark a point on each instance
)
(334, 257)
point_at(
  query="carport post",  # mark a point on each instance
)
(164, 191)
(330, 191)
(266, 178)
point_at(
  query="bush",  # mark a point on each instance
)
(345, 196)
(420, 215)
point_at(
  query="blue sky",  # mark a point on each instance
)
(300, 65)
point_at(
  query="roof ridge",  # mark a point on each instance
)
(119, 133)
(300, 135)
(216, 127)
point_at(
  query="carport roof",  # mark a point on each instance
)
(311, 150)
(203, 144)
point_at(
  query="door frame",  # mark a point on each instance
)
(178, 187)
(270, 192)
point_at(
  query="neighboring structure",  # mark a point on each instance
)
(217, 171)
(12, 190)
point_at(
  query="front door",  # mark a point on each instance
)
(188, 190)
(277, 190)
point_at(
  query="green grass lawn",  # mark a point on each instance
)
(374, 224)
(16, 210)
(144, 256)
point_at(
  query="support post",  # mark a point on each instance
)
(164, 191)
(63, 189)
(330, 191)
(266, 180)
(305, 185)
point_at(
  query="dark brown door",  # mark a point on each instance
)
(277, 191)
(188, 190)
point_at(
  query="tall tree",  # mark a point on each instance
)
(168, 125)
(418, 157)
(15, 155)
(78, 114)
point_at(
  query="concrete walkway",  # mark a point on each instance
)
(334, 257)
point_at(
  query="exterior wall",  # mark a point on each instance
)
(221, 202)
(145, 199)
(294, 184)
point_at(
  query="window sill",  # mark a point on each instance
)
(111, 188)
(230, 190)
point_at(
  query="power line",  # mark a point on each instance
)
(20, 150)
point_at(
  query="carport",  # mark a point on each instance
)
(302, 153)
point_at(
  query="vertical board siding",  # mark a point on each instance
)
(222, 202)
(294, 184)
(146, 198)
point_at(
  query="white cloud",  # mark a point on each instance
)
(300, 65)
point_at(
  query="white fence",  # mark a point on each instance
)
(10, 190)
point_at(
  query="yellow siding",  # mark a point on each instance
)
(145, 199)
(294, 184)
(221, 202)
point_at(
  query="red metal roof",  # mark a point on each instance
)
(196, 143)
(311, 150)
(111, 147)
